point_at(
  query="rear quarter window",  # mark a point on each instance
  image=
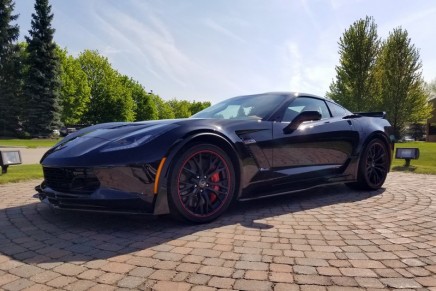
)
(337, 110)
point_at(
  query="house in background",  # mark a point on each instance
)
(431, 123)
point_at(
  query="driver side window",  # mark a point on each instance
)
(302, 104)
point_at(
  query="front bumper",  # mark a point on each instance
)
(110, 189)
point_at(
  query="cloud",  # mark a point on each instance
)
(219, 28)
(142, 42)
(198, 50)
(150, 44)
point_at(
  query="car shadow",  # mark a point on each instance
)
(36, 234)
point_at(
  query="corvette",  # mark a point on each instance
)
(243, 148)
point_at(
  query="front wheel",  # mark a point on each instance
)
(373, 166)
(202, 183)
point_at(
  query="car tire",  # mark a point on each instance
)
(373, 166)
(202, 183)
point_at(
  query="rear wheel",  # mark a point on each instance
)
(373, 166)
(202, 183)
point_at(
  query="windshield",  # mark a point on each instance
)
(243, 107)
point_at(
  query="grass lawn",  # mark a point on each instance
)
(426, 164)
(30, 143)
(19, 173)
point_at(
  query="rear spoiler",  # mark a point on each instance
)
(379, 114)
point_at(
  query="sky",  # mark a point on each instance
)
(207, 50)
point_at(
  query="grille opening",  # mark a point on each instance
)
(71, 180)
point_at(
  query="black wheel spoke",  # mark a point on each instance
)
(189, 171)
(376, 164)
(187, 184)
(213, 161)
(219, 198)
(198, 165)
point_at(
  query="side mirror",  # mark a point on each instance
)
(300, 118)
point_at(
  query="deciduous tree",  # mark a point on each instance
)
(145, 108)
(198, 106)
(399, 82)
(358, 48)
(163, 108)
(75, 92)
(181, 108)
(110, 99)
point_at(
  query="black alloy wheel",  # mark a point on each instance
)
(202, 183)
(373, 166)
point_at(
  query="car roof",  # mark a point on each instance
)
(289, 94)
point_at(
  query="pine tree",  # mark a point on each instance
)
(10, 78)
(42, 82)
(358, 48)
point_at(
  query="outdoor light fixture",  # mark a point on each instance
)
(407, 154)
(8, 158)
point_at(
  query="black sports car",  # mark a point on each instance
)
(243, 148)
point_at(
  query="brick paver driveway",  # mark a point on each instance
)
(325, 239)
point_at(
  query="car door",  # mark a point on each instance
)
(316, 150)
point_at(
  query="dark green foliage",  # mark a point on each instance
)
(145, 107)
(42, 81)
(198, 106)
(417, 131)
(399, 82)
(10, 70)
(385, 77)
(358, 48)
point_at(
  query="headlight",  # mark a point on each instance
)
(137, 138)
(127, 143)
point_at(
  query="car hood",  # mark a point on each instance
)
(101, 135)
(98, 143)
(114, 130)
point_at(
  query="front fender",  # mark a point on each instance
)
(162, 204)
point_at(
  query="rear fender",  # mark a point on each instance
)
(381, 135)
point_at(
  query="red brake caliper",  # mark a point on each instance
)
(214, 178)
